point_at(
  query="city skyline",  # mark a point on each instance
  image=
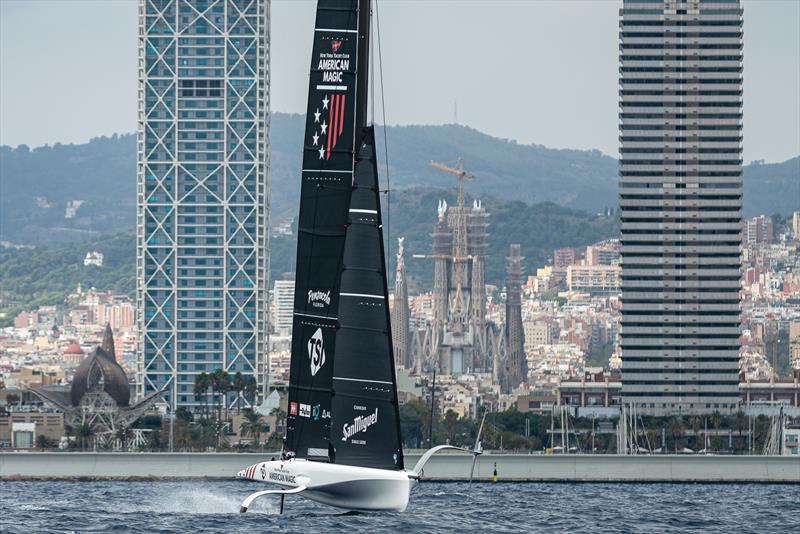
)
(582, 82)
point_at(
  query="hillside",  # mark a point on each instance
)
(47, 274)
(36, 185)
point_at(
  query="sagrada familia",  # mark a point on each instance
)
(459, 338)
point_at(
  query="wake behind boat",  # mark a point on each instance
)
(343, 445)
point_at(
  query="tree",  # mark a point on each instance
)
(155, 440)
(184, 414)
(201, 384)
(221, 384)
(84, 432)
(252, 425)
(250, 389)
(238, 385)
(43, 442)
(450, 422)
(675, 432)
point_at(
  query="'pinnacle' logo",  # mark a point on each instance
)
(316, 352)
(319, 299)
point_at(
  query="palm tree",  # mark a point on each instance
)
(221, 384)
(250, 389)
(696, 422)
(201, 384)
(252, 425)
(84, 432)
(238, 386)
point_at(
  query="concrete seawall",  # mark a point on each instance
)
(510, 467)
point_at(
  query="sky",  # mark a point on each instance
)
(536, 71)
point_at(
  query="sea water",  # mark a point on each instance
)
(212, 506)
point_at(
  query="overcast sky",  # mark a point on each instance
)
(540, 71)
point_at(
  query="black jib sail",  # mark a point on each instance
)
(365, 429)
(327, 179)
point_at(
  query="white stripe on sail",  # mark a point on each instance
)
(353, 210)
(361, 380)
(363, 295)
(316, 316)
(334, 30)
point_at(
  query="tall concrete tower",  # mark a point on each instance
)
(681, 200)
(516, 368)
(476, 247)
(401, 338)
(202, 240)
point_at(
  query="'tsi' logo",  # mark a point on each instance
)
(316, 352)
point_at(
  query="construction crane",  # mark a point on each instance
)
(459, 171)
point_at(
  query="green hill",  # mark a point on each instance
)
(47, 274)
(37, 185)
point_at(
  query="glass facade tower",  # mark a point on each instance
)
(202, 250)
(680, 200)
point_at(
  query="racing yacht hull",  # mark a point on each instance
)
(343, 486)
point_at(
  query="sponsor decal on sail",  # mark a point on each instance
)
(328, 123)
(292, 408)
(305, 410)
(319, 299)
(316, 352)
(359, 424)
(318, 413)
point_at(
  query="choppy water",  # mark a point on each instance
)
(435, 507)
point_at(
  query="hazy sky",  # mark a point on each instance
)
(536, 71)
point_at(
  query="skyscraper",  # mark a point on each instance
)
(202, 259)
(680, 198)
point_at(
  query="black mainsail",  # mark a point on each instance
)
(342, 405)
(365, 430)
(327, 178)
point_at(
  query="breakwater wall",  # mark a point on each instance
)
(444, 467)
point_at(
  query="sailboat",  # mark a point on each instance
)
(343, 444)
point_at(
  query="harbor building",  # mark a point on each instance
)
(680, 200)
(202, 206)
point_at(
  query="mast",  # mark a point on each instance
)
(362, 66)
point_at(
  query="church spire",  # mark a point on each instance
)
(400, 313)
(108, 342)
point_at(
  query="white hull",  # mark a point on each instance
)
(343, 486)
